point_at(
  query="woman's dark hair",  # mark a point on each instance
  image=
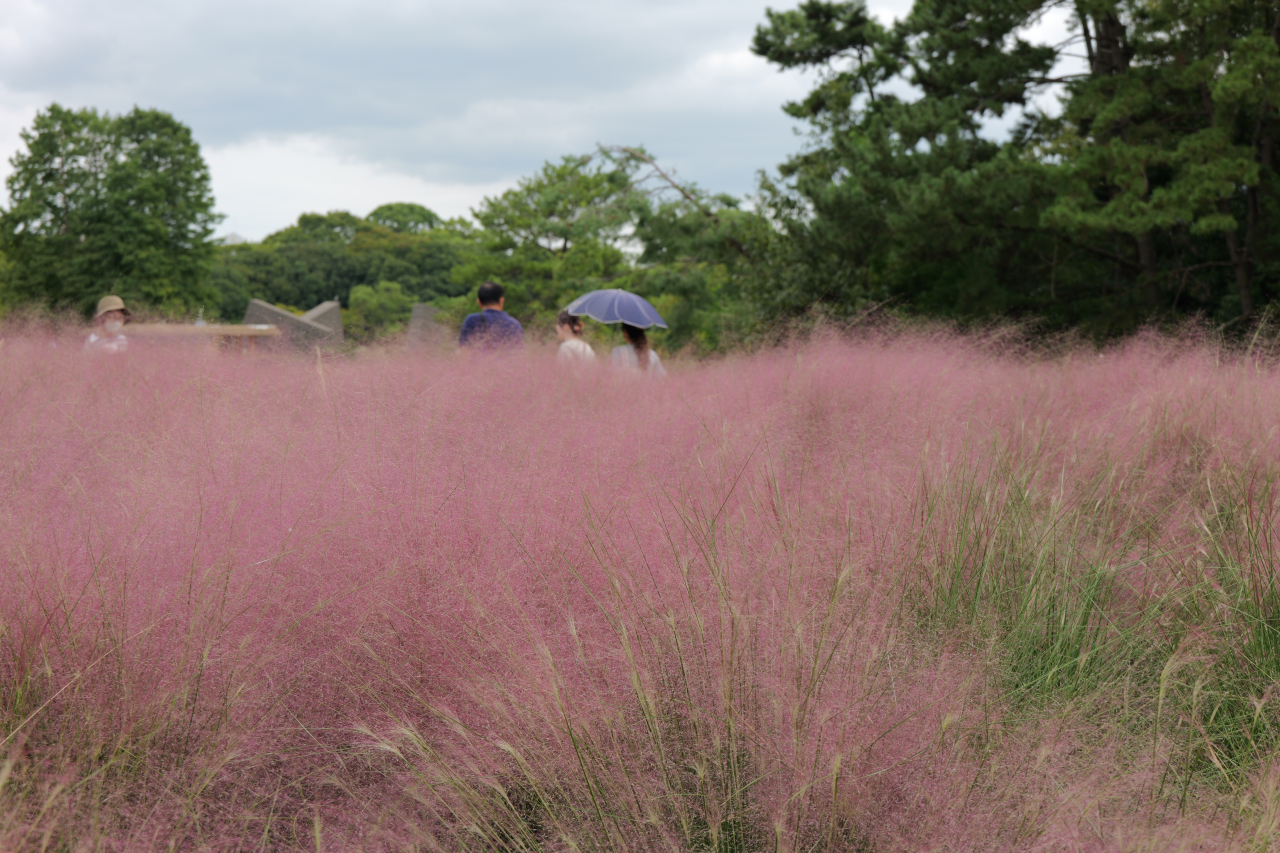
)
(567, 319)
(639, 342)
(490, 293)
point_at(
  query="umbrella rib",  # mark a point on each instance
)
(607, 306)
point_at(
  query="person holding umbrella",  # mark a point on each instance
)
(635, 314)
(636, 354)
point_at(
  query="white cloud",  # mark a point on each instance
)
(342, 104)
(432, 95)
(17, 111)
(889, 10)
(20, 23)
(263, 185)
(1058, 26)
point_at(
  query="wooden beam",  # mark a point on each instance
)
(211, 330)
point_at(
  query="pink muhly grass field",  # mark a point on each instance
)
(903, 593)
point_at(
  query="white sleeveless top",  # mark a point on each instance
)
(625, 357)
(575, 351)
(106, 343)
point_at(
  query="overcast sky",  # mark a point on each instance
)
(333, 104)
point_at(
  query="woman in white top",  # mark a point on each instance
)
(108, 322)
(573, 349)
(636, 354)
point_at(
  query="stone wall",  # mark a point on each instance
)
(321, 325)
(424, 331)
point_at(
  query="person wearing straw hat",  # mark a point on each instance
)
(108, 322)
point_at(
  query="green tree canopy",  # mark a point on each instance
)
(1167, 147)
(1150, 195)
(109, 204)
(554, 234)
(612, 218)
(378, 310)
(405, 218)
(326, 256)
(335, 228)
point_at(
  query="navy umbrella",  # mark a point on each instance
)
(616, 306)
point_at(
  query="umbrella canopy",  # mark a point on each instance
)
(616, 306)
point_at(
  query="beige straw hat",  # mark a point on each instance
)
(111, 303)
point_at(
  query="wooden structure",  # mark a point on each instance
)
(247, 334)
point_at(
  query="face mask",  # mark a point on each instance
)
(113, 327)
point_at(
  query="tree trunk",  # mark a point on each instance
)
(1241, 263)
(1261, 221)
(1149, 278)
(1252, 221)
(1088, 38)
(1244, 275)
(1109, 57)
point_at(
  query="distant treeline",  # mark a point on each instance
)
(609, 219)
(1151, 197)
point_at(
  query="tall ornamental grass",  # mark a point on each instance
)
(903, 593)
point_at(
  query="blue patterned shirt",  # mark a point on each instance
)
(491, 329)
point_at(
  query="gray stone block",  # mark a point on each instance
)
(327, 314)
(305, 331)
(424, 331)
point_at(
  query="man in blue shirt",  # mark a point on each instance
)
(492, 328)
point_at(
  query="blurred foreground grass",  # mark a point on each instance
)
(894, 594)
